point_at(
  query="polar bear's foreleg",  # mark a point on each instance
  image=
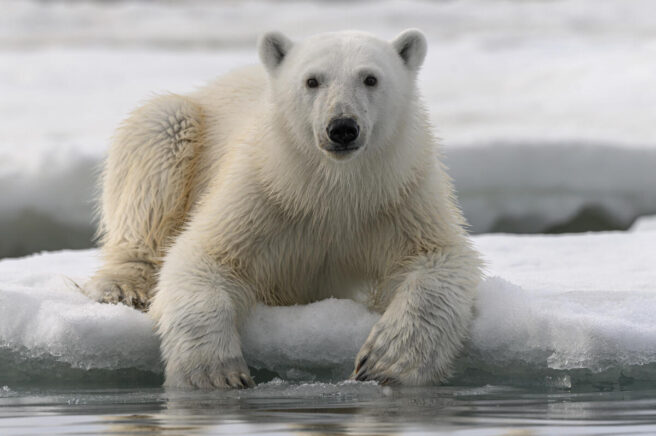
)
(423, 328)
(146, 195)
(198, 307)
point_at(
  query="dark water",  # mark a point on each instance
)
(279, 407)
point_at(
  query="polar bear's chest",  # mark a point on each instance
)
(304, 262)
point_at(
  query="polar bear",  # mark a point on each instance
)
(314, 176)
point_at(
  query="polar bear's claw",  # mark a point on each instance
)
(105, 290)
(384, 358)
(240, 381)
(247, 380)
(123, 294)
(216, 373)
(365, 375)
(233, 380)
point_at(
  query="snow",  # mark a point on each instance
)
(578, 301)
(545, 108)
(551, 305)
(644, 224)
(43, 312)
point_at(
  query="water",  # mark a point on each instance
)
(279, 407)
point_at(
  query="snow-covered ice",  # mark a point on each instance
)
(545, 108)
(568, 302)
(644, 224)
(551, 306)
(42, 312)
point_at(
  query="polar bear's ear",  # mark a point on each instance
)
(273, 47)
(411, 46)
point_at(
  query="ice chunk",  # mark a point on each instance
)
(324, 336)
(644, 224)
(42, 313)
(552, 306)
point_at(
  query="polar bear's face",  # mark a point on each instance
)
(342, 93)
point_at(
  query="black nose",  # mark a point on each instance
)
(343, 130)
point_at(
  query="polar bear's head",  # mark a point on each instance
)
(342, 93)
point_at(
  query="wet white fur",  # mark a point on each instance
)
(229, 194)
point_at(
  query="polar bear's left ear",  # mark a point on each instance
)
(411, 46)
(273, 47)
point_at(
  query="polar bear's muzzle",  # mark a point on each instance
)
(343, 134)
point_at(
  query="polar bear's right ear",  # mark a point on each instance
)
(273, 47)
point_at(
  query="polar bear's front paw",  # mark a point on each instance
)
(108, 290)
(232, 373)
(400, 351)
(379, 359)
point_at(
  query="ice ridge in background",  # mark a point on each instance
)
(545, 109)
(514, 188)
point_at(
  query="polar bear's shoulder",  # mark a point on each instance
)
(245, 85)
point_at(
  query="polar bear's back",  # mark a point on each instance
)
(232, 107)
(231, 102)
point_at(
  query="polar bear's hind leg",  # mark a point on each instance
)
(147, 185)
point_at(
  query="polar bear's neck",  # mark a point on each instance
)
(382, 176)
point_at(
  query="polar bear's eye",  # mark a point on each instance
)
(312, 82)
(370, 81)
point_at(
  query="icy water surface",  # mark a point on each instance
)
(279, 407)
